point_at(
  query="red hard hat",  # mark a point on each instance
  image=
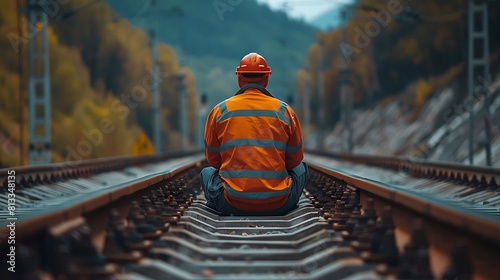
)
(253, 63)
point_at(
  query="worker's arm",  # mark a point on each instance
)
(294, 148)
(212, 144)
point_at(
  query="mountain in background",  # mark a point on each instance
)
(211, 37)
(328, 20)
(332, 18)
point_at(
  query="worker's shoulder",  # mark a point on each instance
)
(286, 106)
(220, 107)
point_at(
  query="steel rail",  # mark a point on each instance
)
(58, 171)
(45, 218)
(466, 221)
(448, 222)
(191, 240)
(458, 218)
(484, 175)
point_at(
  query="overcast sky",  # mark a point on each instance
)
(307, 9)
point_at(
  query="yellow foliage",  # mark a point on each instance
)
(9, 92)
(192, 101)
(422, 90)
(94, 131)
(8, 16)
(94, 61)
(166, 57)
(441, 81)
(69, 82)
(409, 48)
(406, 48)
(301, 77)
(425, 88)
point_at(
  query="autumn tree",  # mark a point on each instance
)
(100, 72)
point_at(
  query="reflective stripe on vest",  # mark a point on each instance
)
(265, 174)
(256, 195)
(253, 113)
(252, 142)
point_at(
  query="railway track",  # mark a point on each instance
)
(359, 218)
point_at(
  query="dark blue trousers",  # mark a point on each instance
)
(211, 183)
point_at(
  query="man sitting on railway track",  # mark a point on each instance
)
(253, 143)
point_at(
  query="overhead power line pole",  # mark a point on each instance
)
(344, 83)
(181, 77)
(39, 119)
(477, 12)
(202, 115)
(153, 33)
(39, 85)
(321, 95)
(307, 106)
(156, 88)
(21, 85)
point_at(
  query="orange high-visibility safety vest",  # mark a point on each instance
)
(253, 139)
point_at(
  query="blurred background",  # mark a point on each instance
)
(384, 77)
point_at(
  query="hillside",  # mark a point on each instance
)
(415, 60)
(330, 19)
(211, 40)
(419, 43)
(438, 132)
(96, 64)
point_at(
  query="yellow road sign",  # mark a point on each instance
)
(143, 146)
